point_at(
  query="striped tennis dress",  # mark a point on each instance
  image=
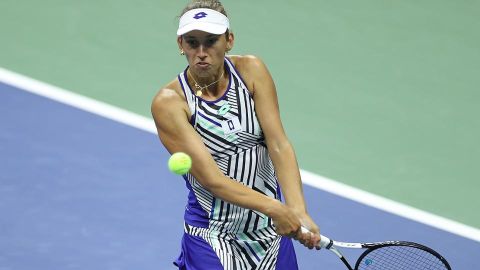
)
(231, 236)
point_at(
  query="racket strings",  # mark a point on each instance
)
(400, 258)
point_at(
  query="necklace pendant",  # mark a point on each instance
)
(199, 89)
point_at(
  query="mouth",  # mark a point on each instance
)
(202, 65)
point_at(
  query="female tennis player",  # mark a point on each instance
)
(223, 112)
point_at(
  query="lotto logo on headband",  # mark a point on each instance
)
(200, 15)
(203, 19)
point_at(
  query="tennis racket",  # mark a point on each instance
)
(388, 255)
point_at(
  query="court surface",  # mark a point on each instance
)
(382, 97)
(81, 191)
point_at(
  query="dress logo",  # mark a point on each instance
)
(232, 125)
(224, 109)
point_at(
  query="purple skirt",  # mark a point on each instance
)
(198, 254)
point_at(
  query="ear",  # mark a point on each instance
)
(180, 42)
(230, 41)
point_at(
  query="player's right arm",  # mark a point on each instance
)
(171, 114)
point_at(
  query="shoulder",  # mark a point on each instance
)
(247, 63)
(251, 68)
(169, 99)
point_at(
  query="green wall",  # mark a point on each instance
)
(380, 95)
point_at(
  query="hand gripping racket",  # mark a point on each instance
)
(388, 255)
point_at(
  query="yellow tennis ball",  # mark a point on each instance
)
(180, 163)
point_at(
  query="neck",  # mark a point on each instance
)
(210, 84)
(206, 80)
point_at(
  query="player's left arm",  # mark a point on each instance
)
(260, 82)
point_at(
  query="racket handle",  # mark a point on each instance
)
(325, 242)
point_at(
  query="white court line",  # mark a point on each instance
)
(308, 178)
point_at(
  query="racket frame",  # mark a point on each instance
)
(332, 245)
(376, 245)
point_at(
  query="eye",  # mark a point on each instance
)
(192, 43)
(210, 42)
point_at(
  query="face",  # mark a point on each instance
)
(204, 51)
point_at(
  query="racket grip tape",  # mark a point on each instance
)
(325, 242)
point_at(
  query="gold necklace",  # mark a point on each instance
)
(200, 88)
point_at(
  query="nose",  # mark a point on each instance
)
(201, 52)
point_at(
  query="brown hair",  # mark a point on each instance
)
(210, 4)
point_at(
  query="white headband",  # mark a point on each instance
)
(203, 19)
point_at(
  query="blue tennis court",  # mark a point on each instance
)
(80, 191)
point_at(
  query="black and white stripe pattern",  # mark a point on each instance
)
(243, 157)
(255, 250)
